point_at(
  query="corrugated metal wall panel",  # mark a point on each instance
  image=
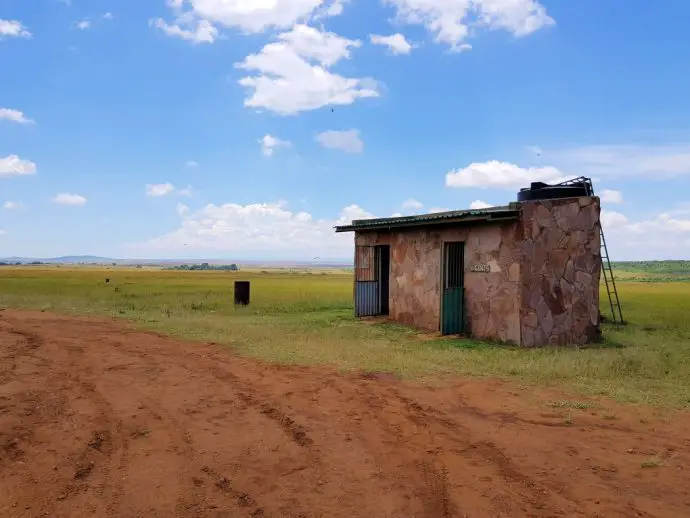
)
(365, 265)
(367, 302)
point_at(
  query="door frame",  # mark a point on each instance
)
(444, 278)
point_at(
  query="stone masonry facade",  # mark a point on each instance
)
(560, 271)
(492, 300)
(542, 287)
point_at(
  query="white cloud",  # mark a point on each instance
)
(13, 205)
(159, 189)
(451, 21)
(611, 196)
(351, 213)
(13, 29)
(14, 116)
(2, 232)
(348, 140)
(191, 163)
(156, 190)
(605, 161)
(199, 31)
(69, 199)
(12, 165)
(412, 204)
(187, 191)
(663, 236)
(334, 9)
(611, 219)
(83, 25)
(326, 48)
(108, 16)
(438, 209)
(479, 204)
(655, 161)
(258, 228)
(253, 16)
(182, 209)
(664, 223)
(292, 74)
(501, 174)
(396, 43)
(269, 144)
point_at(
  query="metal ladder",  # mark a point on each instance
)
(606, 269)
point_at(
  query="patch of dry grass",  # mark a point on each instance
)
(307, 318)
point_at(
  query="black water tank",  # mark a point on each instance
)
(242, 293)
(542, 191)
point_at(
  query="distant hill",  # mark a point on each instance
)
(68, 259)
(93, 259)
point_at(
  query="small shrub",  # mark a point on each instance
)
(570, 404)
(653, 462)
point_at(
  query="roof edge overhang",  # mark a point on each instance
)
(448, 218)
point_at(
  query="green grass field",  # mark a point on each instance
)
(307, 318)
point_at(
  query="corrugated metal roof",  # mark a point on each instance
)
(436, 218)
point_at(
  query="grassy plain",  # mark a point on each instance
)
(307, 318)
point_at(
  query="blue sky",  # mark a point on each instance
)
(248, 128)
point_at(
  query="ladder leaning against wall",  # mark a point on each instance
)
(607, 270)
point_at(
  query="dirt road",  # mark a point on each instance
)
(100, 420)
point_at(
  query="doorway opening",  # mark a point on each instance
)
(383, 274)
(453, 293)
(372, 280)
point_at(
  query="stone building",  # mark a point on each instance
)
(527, 273)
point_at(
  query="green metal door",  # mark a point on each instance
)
(452, 302)
(451, 321)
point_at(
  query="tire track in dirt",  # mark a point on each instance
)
(392, 413)
(25, 346)
(45, 397)
(437, 501)
(433, 431)
(32, 340)
(172, 440)
(192, 500)
(439, 425)
(242, 499)
(105, 449)
(141, 425)
(251, 399)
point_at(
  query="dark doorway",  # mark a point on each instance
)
(372, 280)
(452, 281)
(383, 269)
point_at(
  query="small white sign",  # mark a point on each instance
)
(485, 268)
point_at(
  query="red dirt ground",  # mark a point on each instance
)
(97, 419)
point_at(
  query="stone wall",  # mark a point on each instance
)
(543, 283)
(560, 270)
(492, 300)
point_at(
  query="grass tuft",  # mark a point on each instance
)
(653, 462)
(570, 404)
